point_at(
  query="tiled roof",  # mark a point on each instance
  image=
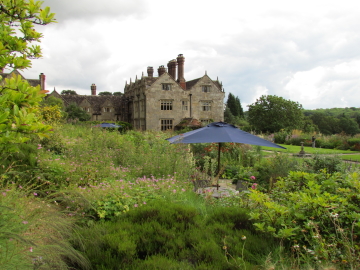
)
(190, 84)
(32, 82)
(95, 101)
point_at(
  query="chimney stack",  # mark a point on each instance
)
(42, 81)
(172, 68)
(161, 70)
(150, 72)
(93, 89)
(181, 79)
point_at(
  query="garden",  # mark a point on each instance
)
(94, 198)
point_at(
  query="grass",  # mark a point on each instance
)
(321, 151)
(355, 157)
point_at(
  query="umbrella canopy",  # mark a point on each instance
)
(220, 132)
(108, 125)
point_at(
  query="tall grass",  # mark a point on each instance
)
(34, 234)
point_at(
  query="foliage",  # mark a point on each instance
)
(270, 169)
(118, 93)
(234, 105)
(75, 112)
(330, 164)
(18, 100)
(68, 92)
(82, 155)
(18, 20)
(19, 120)
(105, 93)
(34, 234)
(318, 213)
(51, 114)
(164, 232)
(272, 113)
(52, 101)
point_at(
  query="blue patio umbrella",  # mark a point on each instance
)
(108, 125)
(221, 132)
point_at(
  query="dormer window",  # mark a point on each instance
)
(206, 88)
(107, 109)
(166, 86)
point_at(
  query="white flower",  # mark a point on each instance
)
(243, 237)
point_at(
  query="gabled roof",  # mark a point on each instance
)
(96, 102)
(32, 82)
(192, 83)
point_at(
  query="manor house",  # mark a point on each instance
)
(162, 102)
(32, 82)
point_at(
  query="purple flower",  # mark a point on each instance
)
(35, 194)
(136, 205)
(254, 186)
(25, 222)
(252, 177)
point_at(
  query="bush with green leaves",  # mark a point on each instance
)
(167, 235)
(319, 214)
(269, 169)
(330, 163)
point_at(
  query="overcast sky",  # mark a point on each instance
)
(305, 51)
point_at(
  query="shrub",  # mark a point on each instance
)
(317, 213)
(330, 164)
(271, 168)
(176, 234)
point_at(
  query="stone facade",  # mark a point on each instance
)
(164, 102)
(158, 103)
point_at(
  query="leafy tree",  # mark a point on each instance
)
(327, 124)
(228, 116)
(75, 112)
(231, 104)
(52, 109)
(272, 113)
(19, 115)
(105, 93)
(53, 101)
(349, 125)
(239, 108)
(118, 94)
(68, 92)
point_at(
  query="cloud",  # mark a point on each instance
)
(73, 10)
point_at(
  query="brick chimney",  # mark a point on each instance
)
(172, 68)
(181, 79)
(93, 89)
(150, 72)
(42, 81)
(161, 70)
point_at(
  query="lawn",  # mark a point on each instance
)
(355, 157)
(321, 151)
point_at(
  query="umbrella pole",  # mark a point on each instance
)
(218, 170)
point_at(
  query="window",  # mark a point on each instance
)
(166, 105)
(166, 86)
(184, 105)
(107, 109)
(86, 109)
(142, 105)
(206, 88)
(206, 106)
(166, 124)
